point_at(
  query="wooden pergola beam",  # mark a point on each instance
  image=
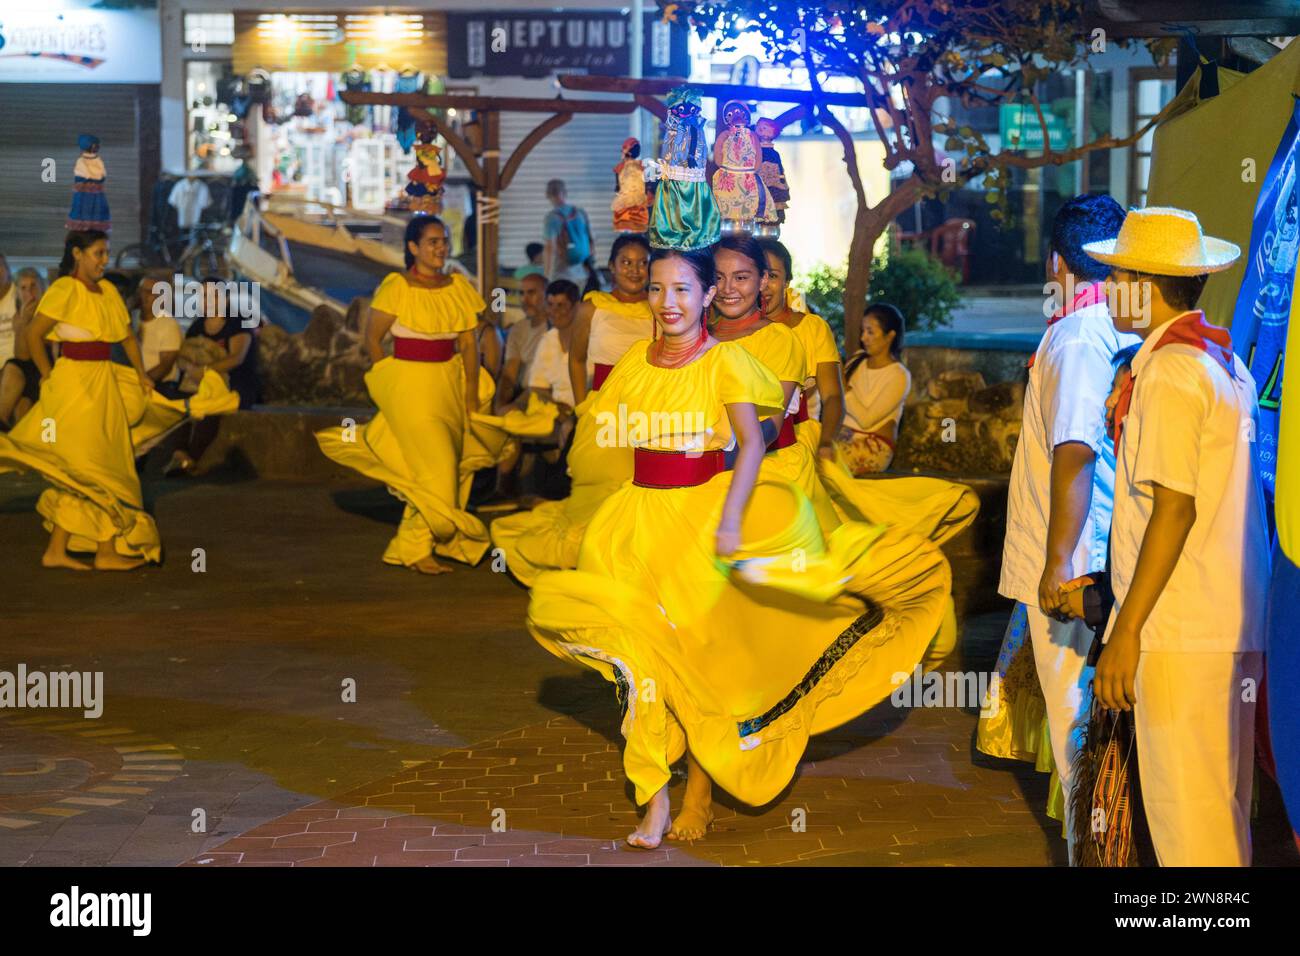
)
(526, 145)
(514, 104)
(659, 87)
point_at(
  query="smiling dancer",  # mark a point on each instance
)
(425, 392)
(734, 667)
(78, 434)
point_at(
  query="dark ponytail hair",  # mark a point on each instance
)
(627, 239)
(778, 249)
(81, 239)
(415, 232)
(747, 246)
(890, 319)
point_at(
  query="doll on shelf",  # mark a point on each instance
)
(425, 186)
(685, 215)
(772, 171)
(630, 205)
(740, 194)
(89, 204)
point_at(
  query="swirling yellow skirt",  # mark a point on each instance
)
(547, 538)
(739, 661)
(414, 445)
(82, 436)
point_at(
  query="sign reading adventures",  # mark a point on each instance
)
(66, 42)
(536, 44)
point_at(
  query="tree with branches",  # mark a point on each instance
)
(912, 57)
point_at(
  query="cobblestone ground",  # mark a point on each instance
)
(226, 738)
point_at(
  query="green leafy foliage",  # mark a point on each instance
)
(922, 287)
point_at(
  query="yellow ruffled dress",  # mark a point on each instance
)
(548, 536)
(415, 441)
(746, 658)
(779, 349)
(78, 434)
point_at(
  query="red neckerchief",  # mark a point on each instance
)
(1189, 329)
(1090, 294)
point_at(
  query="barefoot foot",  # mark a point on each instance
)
(654, 824)
(431, 565)
(117, 562)
(65, 561)
(691, 823)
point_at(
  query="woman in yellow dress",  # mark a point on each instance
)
(731, 628)
(606, 325)
(932, 507)
(425, 392)
(738, 317)
(78, 434)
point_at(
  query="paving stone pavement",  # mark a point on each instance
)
(467, 744)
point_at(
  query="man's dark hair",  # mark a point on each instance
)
(533, 250)
(563, 287)
(1180, 292)
(1081, 220)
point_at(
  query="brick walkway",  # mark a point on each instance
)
(554, 794)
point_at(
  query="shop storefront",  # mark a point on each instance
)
(68, 68)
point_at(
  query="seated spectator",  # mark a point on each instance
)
(521, 343)
(160, 334)
(877, 386)
(20, 379)
(220, 342)
(536, 253)
(549, 380)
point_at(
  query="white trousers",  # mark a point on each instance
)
(1060, 657)
(1195, 720)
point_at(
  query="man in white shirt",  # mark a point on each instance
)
(549, 376)
(1062, 479)
(1189, 547)
(522, 340)
(160, 334)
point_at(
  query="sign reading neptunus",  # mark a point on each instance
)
(539, 43)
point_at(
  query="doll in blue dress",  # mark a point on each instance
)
(89, 204)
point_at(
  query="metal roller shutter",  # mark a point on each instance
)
(41, 120)
(583, 153)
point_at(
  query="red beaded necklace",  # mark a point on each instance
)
(664, 354)
(726, 328)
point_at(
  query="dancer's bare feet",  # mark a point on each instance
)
(696, 814)
(654, 824)
(63, 560)
(56, 552)
(431, 565)
(117, 562)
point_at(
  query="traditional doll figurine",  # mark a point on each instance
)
(772, 172)
(425, 186)
(685, 214)
(89, 204)
(741, 196)
(630, 205)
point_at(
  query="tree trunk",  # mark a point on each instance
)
(866, 230)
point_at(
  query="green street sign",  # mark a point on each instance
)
(1020, 130)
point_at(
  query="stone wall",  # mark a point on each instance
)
(963, 416)
(324, 364)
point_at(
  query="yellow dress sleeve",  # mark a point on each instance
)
(608, 302)
(390, 297)
(57, 302)
(743, 379)
(821, 343)
(777, 347)
(115, 321)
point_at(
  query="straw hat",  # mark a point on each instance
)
(1163, 241)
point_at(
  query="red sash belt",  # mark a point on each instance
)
(785, 437)
(599, 374)
(675, 469)
(86, 351)
(802, 414)
(424, 350)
